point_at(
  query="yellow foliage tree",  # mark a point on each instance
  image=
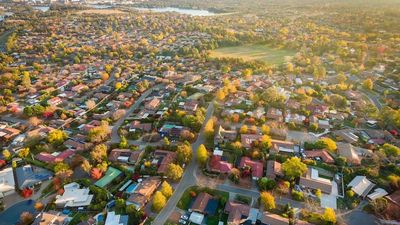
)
(159, 201)
(267, 200)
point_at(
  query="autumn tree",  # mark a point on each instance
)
(38, 206)
(90, 104)
(267, 200)
(328, 143)
(34, 121)
(26, 218)
(159, 201)
(202, 154)
(244, 129)
(63, 170)
(166, 189)
(329, 216)
(293, 168)
(23, 153)
(368, 84)
(99, 133)
(174, 172)
(57, 137)
(184, 153)
(86, 166)
(6, 154)
(391, 150)
(99, 153)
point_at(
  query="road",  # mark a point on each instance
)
(373, 98)
(189, 177)
(115, 138)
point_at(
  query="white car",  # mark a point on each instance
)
(182, 221)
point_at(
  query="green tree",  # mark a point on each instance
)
(123, 143)
(159, 201)
(62, 170)
(23, 153)
(391, 150)
(265, 184)
(293, 168)
(202, 154)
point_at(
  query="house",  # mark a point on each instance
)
(347, 151)
(54, 101)
(7, 182)
(257, 167)
(295, 118)
(393, 208)
(347, 135)
(216, 164)
(204, 204)
(274, 169)
(40, 132)
(320, 155)
(125, 156)
(279, 146)
(138, 126)
(111, 174)
(237, 213)
(222, 135)
(361, 185)
(171, 130)
(313, 181)
(7, 133)
(378, 193)
(75, 145)
(143, 192)
(190, 106)
(28, 176)
(153, 104)
(74, 196)
(162, 159)
(114, 219)
(51, 218)
(54, 157)
(275, 114)
(248, 139)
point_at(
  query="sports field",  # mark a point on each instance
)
(262, 53)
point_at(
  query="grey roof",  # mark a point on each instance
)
(28, 176)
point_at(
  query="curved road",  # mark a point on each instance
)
(189, 177)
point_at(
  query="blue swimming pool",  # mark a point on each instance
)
(11, 215)
(131, 188)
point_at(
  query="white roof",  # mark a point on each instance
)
(113, 219)
(378, 193)
(73, 196)
(7, 182)
(361, 185)
(196, 218)
(218, 152)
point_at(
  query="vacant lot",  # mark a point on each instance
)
(102, 11)
(262, 53)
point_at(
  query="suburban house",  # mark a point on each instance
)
(268, 218)
(7, 182)
(257, 167)
(393, 208)
(153, 104)
(138, 126)
(54, 101)
(28, 176)
(320, 155)
(162, 159)
(143, 192)
(279, 146)
(274, 169)
(222, 135)
(313, 181)
(54, 157)
(248, 139)
(51, 218)
(347, 151)
(361, 185)
(217, 164)
(114, 219)
(204, 204)
(275, 114)
(75, 145)
(237, 213)
(7, 133)
(125, 156)
(74, 196)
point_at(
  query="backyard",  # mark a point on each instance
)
(258, 52)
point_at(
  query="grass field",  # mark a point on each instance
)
(262, 53)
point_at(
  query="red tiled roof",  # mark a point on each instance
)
(257, 168)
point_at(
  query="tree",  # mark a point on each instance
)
(166, 189)
(202, 154)
(86, 166)
(368, 84)
(118, 85)
(6, 154)
(34, 121)
(90, 104)
(391, 150)
(57, 137)
(318, 193)
(99, 133)
(23, 153)
(379, 205)
(184, 153)
(123, 143)
(38, 206)
(267, 200)
(26, 218)
(62, 170)
(265, 184)
(293, 168)
(328, 143)
(329, 216)
(265, 142)
(159, 201)
(220, 95)
(26, 79)
(244, 129)
(99, 153)
(265, 129)
(209, 129)
(166, 141)
(174, 172)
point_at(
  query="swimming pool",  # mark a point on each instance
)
(131, 188)
(11, 215)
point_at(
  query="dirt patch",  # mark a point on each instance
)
(101, 11)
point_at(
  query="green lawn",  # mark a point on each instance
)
(262, 53)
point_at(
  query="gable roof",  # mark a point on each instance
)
(361, 185)
(201, 202)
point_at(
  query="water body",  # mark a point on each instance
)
(42, 8)
(192, 12)
(100, 6)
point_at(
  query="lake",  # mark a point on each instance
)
(42, 8)
(192, 12)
